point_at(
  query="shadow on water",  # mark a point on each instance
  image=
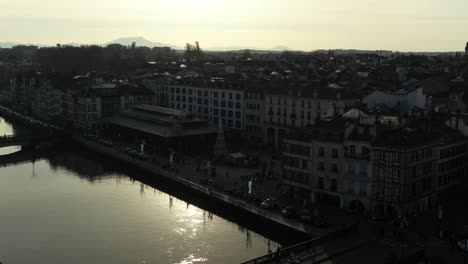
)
(92, 167)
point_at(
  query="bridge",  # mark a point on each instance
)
(20, 157)
(20, 140)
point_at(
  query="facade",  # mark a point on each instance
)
(313, 161)
(35, 94)
(399, 99)
(88, 111)
(254, 104)
(47, 103)
(404, 171)
(160, 89)
(290, 106)
(214, 102)
(452, 158)
(91, 103)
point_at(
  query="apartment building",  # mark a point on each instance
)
(289, 105)
(215, 101)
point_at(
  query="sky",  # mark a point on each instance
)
(404, 25)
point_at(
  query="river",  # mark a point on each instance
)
(75, 207)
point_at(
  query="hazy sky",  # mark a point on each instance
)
(428, 25)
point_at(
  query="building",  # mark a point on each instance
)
(88, 103)
(313, 161)
(254, 107)
(288, 106)
(402, 98)
(162, 128)
(404, 164)
(214, 100)
(452, 158)
(357, 178)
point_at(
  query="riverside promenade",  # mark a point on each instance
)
(209, 193)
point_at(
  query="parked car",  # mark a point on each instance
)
(142, 156)
(289, 212)
(269, 203)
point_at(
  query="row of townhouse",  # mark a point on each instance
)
(264, 110)
(86, 105)
(34, 94)
(356, 162)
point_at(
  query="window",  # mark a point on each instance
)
(334, 153)
(190, 100)
(238, 124)
(320, 182)
(230, 114)
(199, 101)
(238, 105)
(334, 185)
(205, 93)
(238, 96)
(205, 110)
(230, 104)
(334, 168)
(223, 112)
(215, 94)
(230, 96)
(351, 168)
(230, 123)
(304, 164)
(206, 102)
(215, 111)
(215, 103)
(222, 95)
(321, 166)
(190, 91)
(184, 91)
(321, 152)
(177, 90)
(238, 114)
(223, 103)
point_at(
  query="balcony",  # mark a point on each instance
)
(358, 156)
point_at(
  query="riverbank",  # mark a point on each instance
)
(270, 218)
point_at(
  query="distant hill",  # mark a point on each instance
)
(140, 41)
(9, 45)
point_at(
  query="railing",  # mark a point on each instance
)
(8, 138)
(283, 253)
